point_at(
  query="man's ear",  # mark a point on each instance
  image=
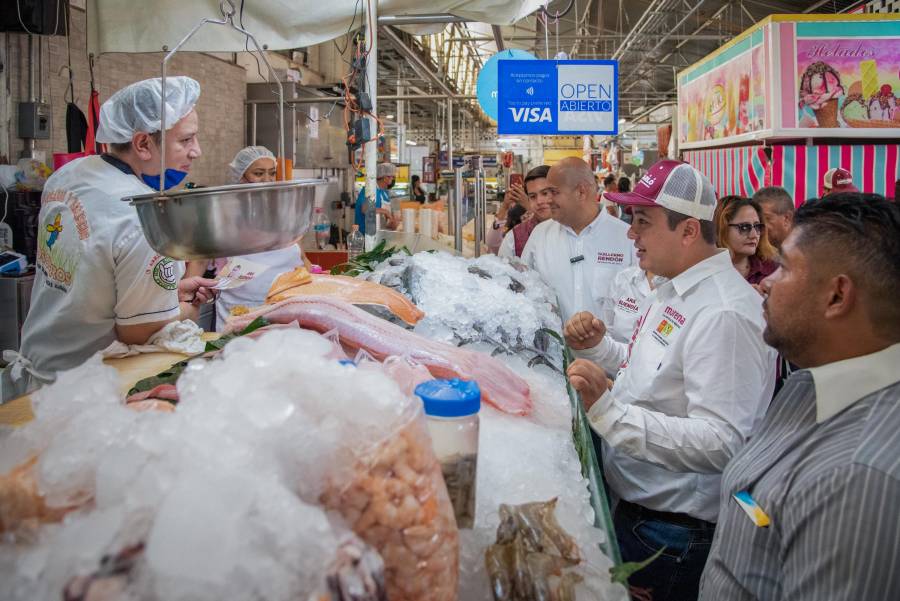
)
(142, 144)
(691, 231)
(842, 295)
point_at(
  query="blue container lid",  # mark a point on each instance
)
(450, 398)
(347, 362)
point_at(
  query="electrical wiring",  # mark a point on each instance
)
(558, 14)
(25, 27)
(349, 29)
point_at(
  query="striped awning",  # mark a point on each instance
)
(801, 169)
(740, 170)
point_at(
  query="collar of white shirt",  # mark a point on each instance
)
(682, 283)
(842, 383)
(590, 226)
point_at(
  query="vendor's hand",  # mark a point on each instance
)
(584, 331)
(196, 290)
(589, 380)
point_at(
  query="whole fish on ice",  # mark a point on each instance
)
(359, 292)
(358, 329)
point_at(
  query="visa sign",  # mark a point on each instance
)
(558, 97)
(531, 115)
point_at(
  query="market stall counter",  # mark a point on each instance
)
(219, 475)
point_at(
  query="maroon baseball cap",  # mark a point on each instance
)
(673, 185)
(838, 180)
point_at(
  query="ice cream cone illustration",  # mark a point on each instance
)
(827, 114)
(869, 74)
(820, 88)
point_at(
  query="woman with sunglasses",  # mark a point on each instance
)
(742, 231)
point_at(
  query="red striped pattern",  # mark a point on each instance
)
(874, 167)
(731, 170)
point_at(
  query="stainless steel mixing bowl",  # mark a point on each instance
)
(225, 221)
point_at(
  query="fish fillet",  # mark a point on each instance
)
(357, 329)
(360, 292)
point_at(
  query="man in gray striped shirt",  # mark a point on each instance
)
(824, 467)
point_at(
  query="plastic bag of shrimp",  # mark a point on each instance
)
(397, 502)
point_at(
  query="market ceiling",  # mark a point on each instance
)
(652, 39)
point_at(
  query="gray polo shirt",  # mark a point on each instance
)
(825, 467)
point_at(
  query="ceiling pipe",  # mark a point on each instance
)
(644, 113)
(385, 20)
(663, 40)
(694, 35)
(498, 37)
(652, 10)
(416, 61)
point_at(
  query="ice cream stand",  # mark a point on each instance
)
(790, 98)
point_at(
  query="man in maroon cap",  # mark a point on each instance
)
(692, 384)
(838, 180)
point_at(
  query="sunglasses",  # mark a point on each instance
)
(744, 228)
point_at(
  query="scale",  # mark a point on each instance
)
(223, 221)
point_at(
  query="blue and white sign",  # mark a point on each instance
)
(558, 97)
(486, 86)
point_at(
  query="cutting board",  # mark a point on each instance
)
(131, 369)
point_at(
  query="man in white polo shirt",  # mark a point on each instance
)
(581, 249)
(694, 382)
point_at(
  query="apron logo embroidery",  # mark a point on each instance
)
(58, 253)
(164, 274)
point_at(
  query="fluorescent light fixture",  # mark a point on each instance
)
(411, 143)
(621, 121)
(388, 116)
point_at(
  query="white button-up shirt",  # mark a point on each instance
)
(629, 293)
(584, 285)
(698, 379)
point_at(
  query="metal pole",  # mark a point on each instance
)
(480, 208)
(372, 145)
(401, 124)
(449, 133)
(459, 192)
(253, 126)
(420, 19)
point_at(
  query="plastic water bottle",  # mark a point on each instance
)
(356, 242)
(322, 228)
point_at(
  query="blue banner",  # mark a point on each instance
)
(544, 97)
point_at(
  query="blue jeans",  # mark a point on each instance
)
(674, 575)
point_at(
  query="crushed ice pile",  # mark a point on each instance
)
(521, 461)
(222, 493)
(470, 300)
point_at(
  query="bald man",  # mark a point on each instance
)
(581, 249)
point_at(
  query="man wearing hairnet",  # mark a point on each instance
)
(97, 278)
(384, 175)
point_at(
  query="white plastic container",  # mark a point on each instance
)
(452, 407)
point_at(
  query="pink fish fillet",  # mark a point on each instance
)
(358, 329)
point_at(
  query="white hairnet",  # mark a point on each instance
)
(135, 108)
(385, 170)
(246, 157)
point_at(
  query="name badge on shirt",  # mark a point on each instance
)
(754, 511)
(611, 258)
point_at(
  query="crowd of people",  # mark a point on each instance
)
(685, 324)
